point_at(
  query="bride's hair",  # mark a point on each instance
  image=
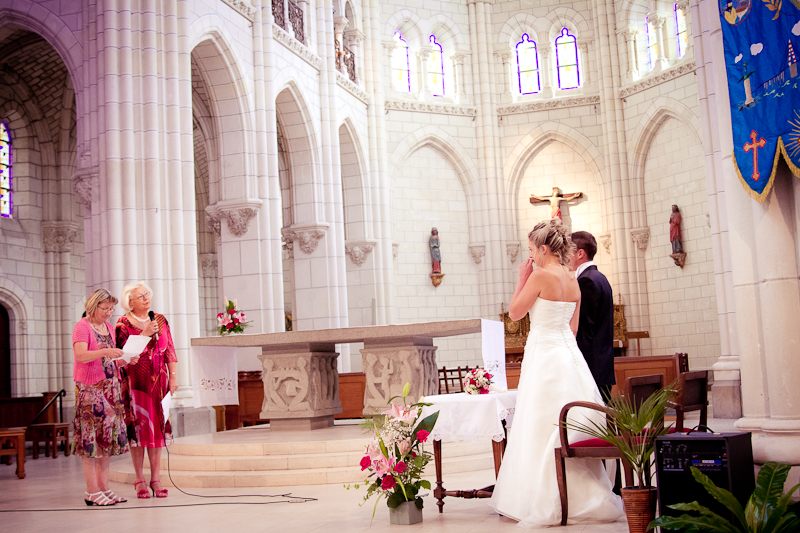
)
(553, 233)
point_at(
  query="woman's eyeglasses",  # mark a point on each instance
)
(141, 296)
(106, 309)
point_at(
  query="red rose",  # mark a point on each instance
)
(488, 376)
(484, 391)
(219, 315)
(422, 435)
(231, 311)
(400, 467)
(413, 455)
(235, 320)
(388, 483)
(365, 462)
(230, 326)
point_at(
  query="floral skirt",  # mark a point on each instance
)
(99, 426)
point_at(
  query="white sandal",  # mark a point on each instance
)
(98, 498)
(111, 496)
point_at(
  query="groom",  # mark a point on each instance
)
(596, 321)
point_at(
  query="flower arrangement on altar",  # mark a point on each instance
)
(477, 381)
(395, 459)
(231, 320)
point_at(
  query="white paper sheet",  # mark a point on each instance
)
(165, 405)
(134, 346)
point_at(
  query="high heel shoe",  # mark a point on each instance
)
(113, 497)
(160, 493)
(98, 498)
(142, 494)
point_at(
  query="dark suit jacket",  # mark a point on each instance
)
(596, 326)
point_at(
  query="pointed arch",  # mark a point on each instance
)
(20, 313)
(410, 25)
(566, 17)
(452, 150)
(639, 145)
(356, 201)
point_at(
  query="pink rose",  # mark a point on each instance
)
(366, 462)
(231, 311)
(388, 483)
(400, 467)
(422, 435)
(484, 391)
(404, 446)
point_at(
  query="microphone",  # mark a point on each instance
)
(152, 316)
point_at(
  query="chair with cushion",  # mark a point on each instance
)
(590, 448)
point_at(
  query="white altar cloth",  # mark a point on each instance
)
(215, 376)
(467, 417)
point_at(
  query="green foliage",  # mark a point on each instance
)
(767, 511)
(631, 429)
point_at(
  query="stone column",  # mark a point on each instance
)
(546, 70)
(354, 40)
(424, 56)
(584, 66)
(630, 35)
(506, 96)
(660, 26)
(339, 25)
(683, 5)
(458, 69)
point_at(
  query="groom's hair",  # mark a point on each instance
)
(585, 241)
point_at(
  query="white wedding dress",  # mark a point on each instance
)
(554, 373)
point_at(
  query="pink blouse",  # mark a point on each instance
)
(91, 372)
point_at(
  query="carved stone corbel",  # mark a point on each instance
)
(605, 241)
(58, 236)
(237, 213)
(83, 181)
(395, 249)
(477, 251)
(358, 251)
(209, 267)
(306, 237)
(214, 224)
(641, 237)
(512, 250)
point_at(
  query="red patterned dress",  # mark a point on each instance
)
(148, 384)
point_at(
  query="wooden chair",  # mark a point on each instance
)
(451, 379)
(52, 434)
(590, 448)
(692, 396)
(12, 442)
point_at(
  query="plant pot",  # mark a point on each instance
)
(640, 508)
(405, 514)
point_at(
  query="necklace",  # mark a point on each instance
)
(102, 330)
(143, 320)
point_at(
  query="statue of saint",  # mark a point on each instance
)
(675, 230)
(555, 200)
(436, 255)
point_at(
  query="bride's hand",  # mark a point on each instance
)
(525, 270)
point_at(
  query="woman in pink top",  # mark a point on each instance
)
(98, 431)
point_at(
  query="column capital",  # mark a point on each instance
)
(306, 236)
(657, 19)
(354, 37)
(641, 237)
(583, 46)
(545, 49)
(683, 5)
(340, 24)
(58, 235)
(629, 33)
(237, 213)
(458, 58)
(424, 52)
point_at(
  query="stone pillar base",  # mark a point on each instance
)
(726, 397)
(300, 386)
(301, 424)
(389, 368)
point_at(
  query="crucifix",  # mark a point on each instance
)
(754, 146)
(555, 200)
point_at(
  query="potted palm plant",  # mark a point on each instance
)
(632, 428)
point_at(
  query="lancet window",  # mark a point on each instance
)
(436, 68)
(567, 61)
(527, 66)
(6, 203)
(401, 71)
(652, 44)
(683, 36)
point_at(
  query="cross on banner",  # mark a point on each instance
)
(555, 200)
(754, 146)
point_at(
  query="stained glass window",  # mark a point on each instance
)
(436, 68)
(683, 36)
(567, 61)
(527, 66)
(652, 45)
(401, 72)
(5, 171)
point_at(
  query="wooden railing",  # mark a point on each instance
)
(278, 13)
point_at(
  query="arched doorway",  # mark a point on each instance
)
(5, 354)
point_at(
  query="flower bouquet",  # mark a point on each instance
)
(395, 459)
(477, 381)
(231, 320)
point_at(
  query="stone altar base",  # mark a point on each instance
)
(389, 368)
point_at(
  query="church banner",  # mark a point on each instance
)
(761, 38)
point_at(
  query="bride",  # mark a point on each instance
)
(554, 373)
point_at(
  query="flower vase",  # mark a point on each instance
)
(640, 508)
(405, 514)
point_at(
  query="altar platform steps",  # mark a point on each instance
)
(287, 458)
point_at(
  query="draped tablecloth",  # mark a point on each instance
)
(215, 377)
(467, 417)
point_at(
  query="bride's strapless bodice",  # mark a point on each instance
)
(550, 320)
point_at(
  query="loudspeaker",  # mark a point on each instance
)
(726, 458)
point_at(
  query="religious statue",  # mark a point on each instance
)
(436, 254)
(675, 230)
(555, 200)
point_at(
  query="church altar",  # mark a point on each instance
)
(300, 376)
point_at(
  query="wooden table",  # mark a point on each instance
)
(16, 438)
(466, 417)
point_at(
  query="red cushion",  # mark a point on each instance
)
(591, 443)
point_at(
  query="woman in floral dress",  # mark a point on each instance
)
(98, 431)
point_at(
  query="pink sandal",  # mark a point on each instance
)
(142, 494)
(160, 493)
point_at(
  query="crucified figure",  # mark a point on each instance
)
(555, 200)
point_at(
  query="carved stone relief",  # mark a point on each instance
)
(358, 252)
(209, 267)
(477, 251)
(306, 239)
(58, 236)
(641, 237)
(83, 185)
(512, 250)
(605, 241)
(214, 224)
(239, 219)
(300, 385)
(387, 371)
